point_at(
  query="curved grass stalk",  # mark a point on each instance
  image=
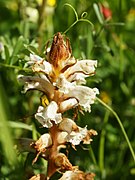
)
(76, 15)
(77, 19)
(121, 126)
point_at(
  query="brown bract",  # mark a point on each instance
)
(59, 50)
(38, 177)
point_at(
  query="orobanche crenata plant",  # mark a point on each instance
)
(61, 79)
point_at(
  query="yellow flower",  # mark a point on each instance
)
(51, 2)
(105, 97)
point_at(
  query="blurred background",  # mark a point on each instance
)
(25, 27)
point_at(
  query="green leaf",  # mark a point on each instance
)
(20, 125)
(16, 50)
(98, 13)
(6, 138)
(7, 54)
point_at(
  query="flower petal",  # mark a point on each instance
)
(75, 137)
(46, 115)
(68, 104)
(43, 142)
(85, 96)
(81, 70)
(68, 125)
(34, 82)
(40, 65)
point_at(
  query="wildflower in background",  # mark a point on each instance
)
(1, 47)
(61, 78)
(51, 2)
(106, 11)
(105, 97)
(32, 14)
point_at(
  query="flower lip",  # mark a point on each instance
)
(35, 82)
(75, 137)
(82, 69)
(43, 142)
(46, 115)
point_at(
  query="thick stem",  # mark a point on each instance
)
(53, 151)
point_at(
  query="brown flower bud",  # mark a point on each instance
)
(43, 142)
(88, 139)
(62, 162)
(38, 177)
(59, 50)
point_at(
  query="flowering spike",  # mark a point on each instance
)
(60, 78)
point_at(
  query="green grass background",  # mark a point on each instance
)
(111, 42)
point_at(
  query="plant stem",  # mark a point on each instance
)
(102, 143)
(15, 67)
(51, 169)
(121, 126)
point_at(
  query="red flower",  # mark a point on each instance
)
(106, 11)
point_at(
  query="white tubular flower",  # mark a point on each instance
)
(68, 175)
(77, 174)
(68, 125)
(43, 142)
(34, 82)
(32, 14)
(34, 59)
(68, 104)
(40, 65)
(75, 137)
(1, 47)
(62, 137)
(63, 84)
(81, 70)
(46, 115)
(85, 96)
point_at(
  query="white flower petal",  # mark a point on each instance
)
(34, 82)
(35, 58)
(63, 84)
(44, 67)
(62, 137)
(75, 137)
(68, 104)
(85, 96)
(46, 115)
(81, 70)
(40, 65)
(44, 141)
(68, 125)
(79, 78)
(68, 175)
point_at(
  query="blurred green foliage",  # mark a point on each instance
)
(25, 27)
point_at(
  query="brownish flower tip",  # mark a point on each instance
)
(62, 162)
(60, 50)
(77, 175)
(38, 177)
(89, 176)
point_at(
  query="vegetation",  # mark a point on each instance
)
(102, 30)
